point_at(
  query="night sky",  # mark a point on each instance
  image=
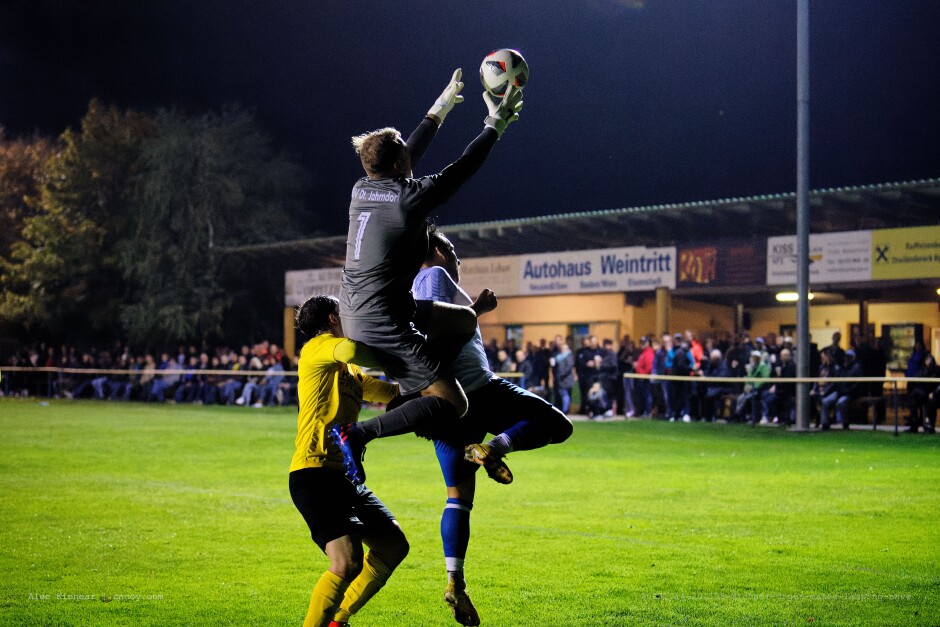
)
(627, 105)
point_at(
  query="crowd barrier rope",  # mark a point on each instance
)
(894, 385)
(160, 373)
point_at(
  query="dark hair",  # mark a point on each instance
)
(378, 150)
(436, 239)
(313, 317)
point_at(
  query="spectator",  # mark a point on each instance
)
(148, 375)
(98, 383)
(120, 385)
(202, 380)
(210, 390)
(270, 383)
(695, 347)
(251, 385)
(780, 399)
(682, 366)
(919, 395)
(874, 363)
(525, 369)
(233, 385)
(163, 383)
(503, 362)
(662, 364)
(608, 371)
(773, 345)
(750, 400)
(827, 392)
(562, 365)
(643, 390)
(597, 403)
(697, 355)
(713, 402)
(761, 346)
(916, 361)
(540, 366)
(835, 351)
(82, 380)
(189, 384)
(848, 391)
(585, 367)
(288, 388)
(626, 355)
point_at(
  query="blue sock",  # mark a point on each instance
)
(455, 532)
(527, 436)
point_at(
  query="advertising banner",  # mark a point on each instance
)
(500, 274)
(834, 258)
(299, 285)
(735, 263)
(635, 269)
(584, 271)
(911, 253)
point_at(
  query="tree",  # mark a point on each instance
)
(62, 273)
(204, 181)
(22, 166)
(125, 219)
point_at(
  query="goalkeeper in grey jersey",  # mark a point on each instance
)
(385, 247)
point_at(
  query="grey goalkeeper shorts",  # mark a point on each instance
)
(401, 349)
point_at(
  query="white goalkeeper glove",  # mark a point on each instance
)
(503, 111)
(448, 98)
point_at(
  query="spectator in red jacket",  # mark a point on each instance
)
(643, 390)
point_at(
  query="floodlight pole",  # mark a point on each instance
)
(802, 213)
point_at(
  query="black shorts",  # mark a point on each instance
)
(494, 408)
(333, 507)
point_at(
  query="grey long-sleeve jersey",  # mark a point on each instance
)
(387, 239)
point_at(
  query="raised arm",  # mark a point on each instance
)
(501, 114)
(423, 135)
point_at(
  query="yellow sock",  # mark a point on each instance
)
(326, 597)
(373, 576)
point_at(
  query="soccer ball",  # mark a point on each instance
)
(503, 68)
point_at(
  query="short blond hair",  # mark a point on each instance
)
(378, 150)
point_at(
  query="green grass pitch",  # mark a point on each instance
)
(117, 514)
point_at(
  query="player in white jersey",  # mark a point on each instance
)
(519, 420)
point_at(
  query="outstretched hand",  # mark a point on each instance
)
(503, 111)
(448, 98)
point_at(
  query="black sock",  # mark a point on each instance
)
(427, 416)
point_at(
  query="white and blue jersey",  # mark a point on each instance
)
(471, 366)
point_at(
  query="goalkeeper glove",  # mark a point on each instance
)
(448, 98)
(503, 111)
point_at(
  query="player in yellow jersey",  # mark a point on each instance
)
(342, 517)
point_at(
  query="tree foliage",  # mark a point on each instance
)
(22, 169)
(206, 180)
(125, 217)
(63, 275)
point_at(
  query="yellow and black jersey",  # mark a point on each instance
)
(331, 390)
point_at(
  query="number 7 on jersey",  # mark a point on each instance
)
(363, 220)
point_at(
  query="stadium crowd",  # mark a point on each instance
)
(186, 375)
(551, 369)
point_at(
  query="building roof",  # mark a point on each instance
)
(885, 205)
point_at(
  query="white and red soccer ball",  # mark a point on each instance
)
(503, 68)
